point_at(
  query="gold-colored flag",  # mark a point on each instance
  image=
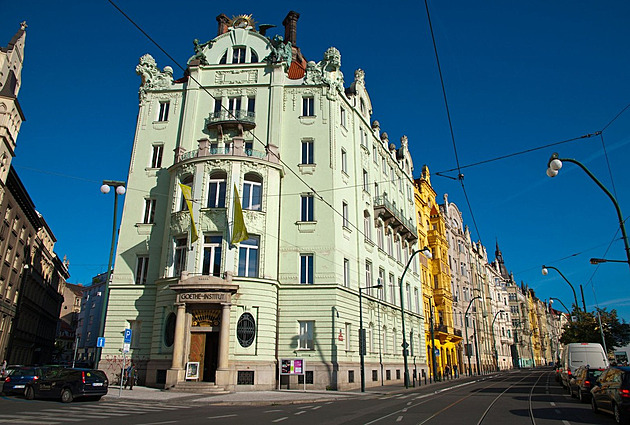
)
(239, 231)
(187, 192)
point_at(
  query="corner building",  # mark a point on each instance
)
(328, 205)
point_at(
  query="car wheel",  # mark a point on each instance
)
(594, 405)
(66, 396)
(29, 393)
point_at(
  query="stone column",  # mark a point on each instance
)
(176, 372)
(223, 373)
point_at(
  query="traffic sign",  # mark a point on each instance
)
(100, 341)
(126, 347)
(127, 335)
(437, 351)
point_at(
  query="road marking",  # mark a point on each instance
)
(280, 419)
(300, 412)
(330, 402)
(273, 411)
(398, 419)
(220, 417)
(158, 423)
(566, 422)
(552, 403)
(404, 410)
(317, 407)
(557, 411)
(408, 403)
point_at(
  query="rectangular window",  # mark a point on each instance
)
(346, 272)
(251, 105)
(307, 152)
(217, 107)
(234, 106)
(305, 339)
(142, 268)
(238, 55)
(368, 276)
(149, 211)
(306, 212)
(417, 297)
(156, 156)
(163, 112)
(306, 269)
(181, 250)
(136, 332)
(366, 183)
(390, 243)
(344, 211)
(308, 107)
(392, 289)
(381, 281)
(248, 257)
(344, 161)
(408, 292)
(216, 193)
(343, 117)
(252, 195)
(363, 138)
(379, 236)
(212, 246)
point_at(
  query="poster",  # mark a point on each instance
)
(192, 370)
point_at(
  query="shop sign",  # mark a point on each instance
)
(203, 297)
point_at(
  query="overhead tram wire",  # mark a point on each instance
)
(288, 167)
(460, 176)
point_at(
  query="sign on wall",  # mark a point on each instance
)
(192, 370)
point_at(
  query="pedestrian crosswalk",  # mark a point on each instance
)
(65, 414)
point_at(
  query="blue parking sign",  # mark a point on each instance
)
(100, 341)
(127, 336)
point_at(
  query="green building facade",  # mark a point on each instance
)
(327, 201)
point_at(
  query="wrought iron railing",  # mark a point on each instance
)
(383, 201)
(224, 115)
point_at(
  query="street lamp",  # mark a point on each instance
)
(362, 346)
(120, 190)
(466, 328)
(605, 260)
(427, 253)
(555, 164)
(545, 272)
(551, 299)
(494, 341)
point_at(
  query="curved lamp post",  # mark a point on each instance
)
(545, 272)
(605, 260)
(362, 344)
(120, 190)
(427, 253)
(551, 299)
(466, 328)
(555, 164)
(494, 341)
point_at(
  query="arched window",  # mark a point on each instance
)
(252, 192)
(254, 58)
(216, 190)
(187, 181)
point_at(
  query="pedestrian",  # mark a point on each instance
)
(130, 376)
(3, 369)
(455, 371)
(447, 372)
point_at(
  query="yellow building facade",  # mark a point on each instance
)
(436, 280)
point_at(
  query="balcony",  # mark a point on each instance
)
(237, 148)
(223, 118)
(395, 218)
(447, 333)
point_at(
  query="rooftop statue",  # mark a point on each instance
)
(328, 72)
(152, 77)
(199, 51)
(280, 52)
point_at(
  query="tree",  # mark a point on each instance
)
(586, 329)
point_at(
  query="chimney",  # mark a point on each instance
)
(290, 27)
(223, 23)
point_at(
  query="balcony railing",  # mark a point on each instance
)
(246, 118)
(387, 210)
(227, 150)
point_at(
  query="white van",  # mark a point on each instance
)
(581, 354)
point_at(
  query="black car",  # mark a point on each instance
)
(19, 377)
(67, 384)
(582, 381)
(611, 392)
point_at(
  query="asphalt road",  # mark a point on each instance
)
(513, 398)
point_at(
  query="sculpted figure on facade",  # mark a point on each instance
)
(152, 77)
(359, 77)
(313, 74)
(280, 52)
(327, 72)
(199, 51)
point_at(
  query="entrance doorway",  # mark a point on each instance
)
(204, 348)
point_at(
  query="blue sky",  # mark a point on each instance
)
(518, 75)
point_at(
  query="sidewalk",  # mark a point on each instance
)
(283, 396)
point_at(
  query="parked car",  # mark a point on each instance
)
(18, 378)
(579, 354)
(7, 371)
(67, 384)
(583, 380)
(611, 392)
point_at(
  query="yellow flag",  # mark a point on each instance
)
(187, 192)
(239, 231)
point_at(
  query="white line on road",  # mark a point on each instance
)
(398, 419)
(280, 419)
(409, 403)
(158, 423)
(300, 412)
(273, 411)
(566, 422)
(220, 417)
(404, 410)
(552, 403)
(317, 407)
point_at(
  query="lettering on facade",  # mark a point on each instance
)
(203, 297)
